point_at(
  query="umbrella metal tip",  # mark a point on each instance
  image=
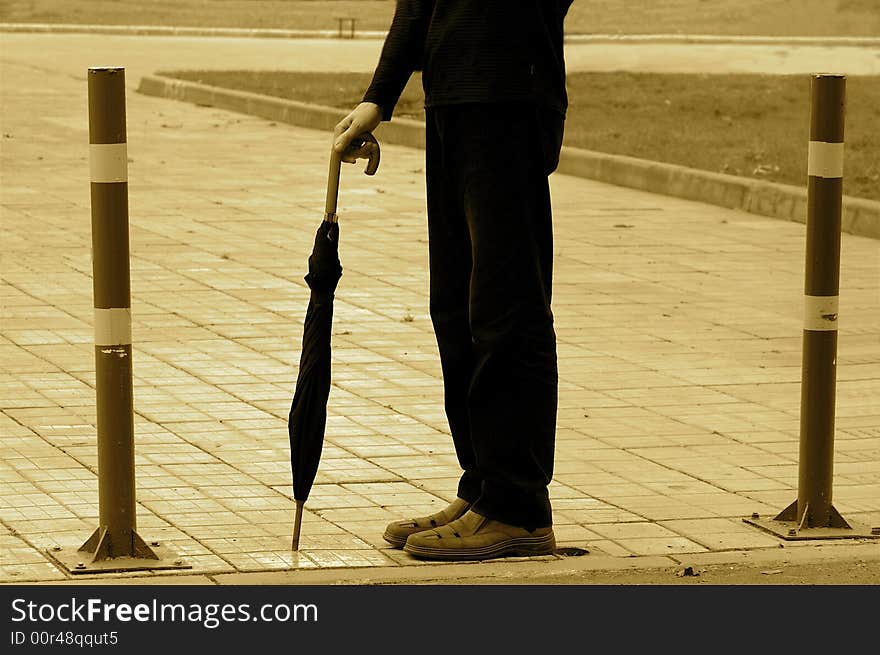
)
(297, 524)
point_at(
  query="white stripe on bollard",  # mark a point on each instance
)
(108, 162)
(820, 313)
(825, 159)
(113, 326)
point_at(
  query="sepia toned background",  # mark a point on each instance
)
(679, 321)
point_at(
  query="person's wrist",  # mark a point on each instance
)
(375, 108)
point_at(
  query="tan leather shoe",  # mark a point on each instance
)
(397, 532)
(475, 537)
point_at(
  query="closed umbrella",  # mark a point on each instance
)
(308, 411)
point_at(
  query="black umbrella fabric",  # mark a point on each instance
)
(308, 412)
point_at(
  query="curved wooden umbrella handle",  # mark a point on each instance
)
(368, 141)
(363, 143)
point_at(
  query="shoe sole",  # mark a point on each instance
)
(513, 547)
(396, 542)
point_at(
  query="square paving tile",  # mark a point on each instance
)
(627, 531)
(270, 560)
(662, 546)
(348, 559)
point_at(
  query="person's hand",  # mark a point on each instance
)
(363, 118)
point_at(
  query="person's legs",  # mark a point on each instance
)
(491, 250)
(498, 158)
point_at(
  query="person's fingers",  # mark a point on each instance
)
(351, 154)
(363, 118)
(342, 141)
(342, 125)
(347, 136)
(344, 133)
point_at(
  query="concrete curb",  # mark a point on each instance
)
(860, 216)
(723, 39)
(632, 39)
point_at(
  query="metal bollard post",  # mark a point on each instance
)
(812, 515)
(115, 545)
(821, 288)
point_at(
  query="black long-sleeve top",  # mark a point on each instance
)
(474, 51)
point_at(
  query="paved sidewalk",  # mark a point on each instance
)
(679, 330)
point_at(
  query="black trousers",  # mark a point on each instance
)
(491, 268)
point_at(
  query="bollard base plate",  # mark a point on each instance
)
(79, 562)
(789, 530)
